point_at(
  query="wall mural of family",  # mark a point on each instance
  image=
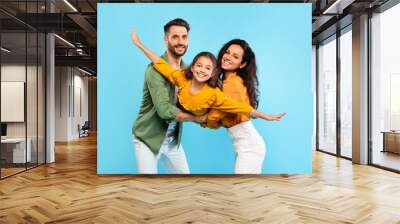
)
(228, 89)
(215, 92)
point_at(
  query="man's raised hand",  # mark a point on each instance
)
(135, 37)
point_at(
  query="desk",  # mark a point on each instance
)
(15, 148)
(391, 141)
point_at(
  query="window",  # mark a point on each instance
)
(346, 93)
(327, 96)
(385, 88)
(22, 67)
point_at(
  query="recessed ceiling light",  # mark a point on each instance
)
(338, 6)
(84, 71)
(64, 40)
(70, 5)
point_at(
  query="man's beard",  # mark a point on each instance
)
(171, 49)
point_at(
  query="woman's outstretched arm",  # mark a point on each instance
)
(227, 104)
(268, 117)
(135, 39)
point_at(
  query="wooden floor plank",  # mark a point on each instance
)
(70, 191)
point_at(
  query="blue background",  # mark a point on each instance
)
(279, 34)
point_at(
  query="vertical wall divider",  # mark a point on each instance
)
(1, 164)
(73, 93)
(369, 91)
(37, 89)
(60, 86)
(45, 90)
(26, 86)
(69, 92)
(317, 96)
(338, 78)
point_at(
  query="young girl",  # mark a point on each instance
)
(197, 85)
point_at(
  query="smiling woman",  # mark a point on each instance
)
(239, 81)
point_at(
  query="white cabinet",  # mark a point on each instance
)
(18, 149)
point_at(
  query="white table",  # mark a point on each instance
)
(19, 149)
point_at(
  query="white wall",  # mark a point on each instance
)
(81, 103)
(61, 103)
(71, 93)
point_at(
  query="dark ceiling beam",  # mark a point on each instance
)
(182, 1)
(49, 22)
(81, 21)
(86, 51)
(86, 26)
(381, 6)
(91, 5)
(338, 6)
(84, 61)
(329, 17)
(329, 13)
(332, 29)
(52, 22)
(15, 18)
(320, 22)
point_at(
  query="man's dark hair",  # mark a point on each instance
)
(176, 22)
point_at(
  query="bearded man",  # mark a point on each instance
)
(158, 128)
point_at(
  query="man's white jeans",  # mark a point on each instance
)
(171, 155)
(249, 147)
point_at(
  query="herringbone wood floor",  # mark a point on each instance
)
(70, 191)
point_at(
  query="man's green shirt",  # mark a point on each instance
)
(157, 109)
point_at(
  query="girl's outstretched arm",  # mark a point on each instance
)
(135, 39)
(268, 117)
